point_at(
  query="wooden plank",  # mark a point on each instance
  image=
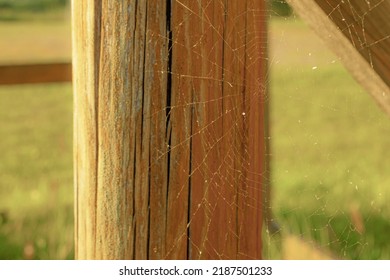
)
(35, 73)
(217, 84)
(250, 197)
(359, 33)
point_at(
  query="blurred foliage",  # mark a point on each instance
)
(34, 5)
(12, 10)
(279, 8)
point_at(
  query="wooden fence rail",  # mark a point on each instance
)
(35, 73)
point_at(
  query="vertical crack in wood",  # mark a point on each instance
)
(168, 94)
(161, 86)
(190, 171)
(145, 130)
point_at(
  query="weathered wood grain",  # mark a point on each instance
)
(206, 158)
(161, 138)
(234, 68)
(85, 82)
(179, 134)
(359, 33)
(199, 37)
(157, 55)
(250, 193)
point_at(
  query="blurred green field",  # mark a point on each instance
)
(35, 42)
(330, 155)
(36, 180)
(38, 10)
(330, 158)
(37, 32)
(36, 185)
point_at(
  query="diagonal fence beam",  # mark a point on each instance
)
(358, 32)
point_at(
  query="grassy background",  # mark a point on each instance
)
(34, 31)
(330, 155)
(36, 180)
(22, 10)
(35, 41)
(36, 201)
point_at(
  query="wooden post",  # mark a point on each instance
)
(359, 33)
(169, 128)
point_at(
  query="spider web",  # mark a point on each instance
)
(208, 148)
(329, 156)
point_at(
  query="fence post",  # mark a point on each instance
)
(169, 128)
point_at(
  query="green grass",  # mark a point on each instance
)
(27, 10)
(330, 153)
(32, 4)
(36, 201)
